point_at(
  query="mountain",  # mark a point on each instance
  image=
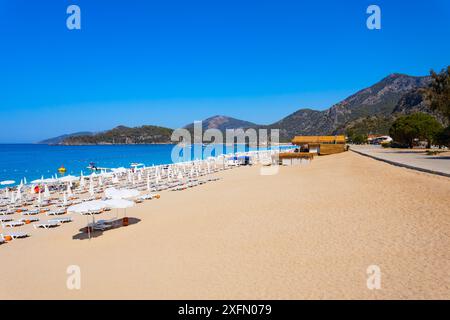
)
(375, 105)
(222, 123)
(59, 139)
(124, 135)
(371, 110)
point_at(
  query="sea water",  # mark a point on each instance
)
(33, 161)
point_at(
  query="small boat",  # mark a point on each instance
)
(62, 170)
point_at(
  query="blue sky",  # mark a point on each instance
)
(171, 62)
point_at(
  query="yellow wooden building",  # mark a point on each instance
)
(321, 145)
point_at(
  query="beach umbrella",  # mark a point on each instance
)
(91, 188)
(114, 193)
(87, 207)
(7, 182)
(46, 192)
(69, 191)
(32, 189)
(115, 179)
(39, 198)
(24, 180)
(64, 198)
(19, 194)
(100, 181)
(82, 182)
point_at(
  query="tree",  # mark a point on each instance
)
(419, 125)
(438, 94)
(443, 137)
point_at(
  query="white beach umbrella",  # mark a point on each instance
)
(32, 189)
(100, 181)
(86, 207)
(115, 179)
(19, 194)
(119, 203)
(7, 182)
(69, 190)
(25, 180)
(82, 182)
(114, 193)
(39, 198)
(46, 192)
(91, 188)
(64, 198)
(68, 179)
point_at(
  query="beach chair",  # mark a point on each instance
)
(61, 220)
(12, 224)
(46, 225)
(5, 219)
(56, 212)
(101, 225)
(31, 212)
(29, 220)
(7, 212)
(13, 236)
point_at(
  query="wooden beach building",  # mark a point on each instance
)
(321, 145)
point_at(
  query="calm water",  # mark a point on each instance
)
(33, 161)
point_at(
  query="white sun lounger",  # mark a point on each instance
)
(56, 212)
(12, 224)
(46, 225)
(60, 220)
(5, 219)
(14, 235)
(7, 213)
(31, 212)
(30, 219)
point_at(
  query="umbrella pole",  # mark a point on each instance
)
(87, 226)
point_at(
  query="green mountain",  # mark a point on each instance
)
(372, 107)
(59, 139)
(124, 135)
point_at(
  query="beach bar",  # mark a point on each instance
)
(321, 145)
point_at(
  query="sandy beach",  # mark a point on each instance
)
(309, 232)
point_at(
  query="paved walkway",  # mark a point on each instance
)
(412, 159)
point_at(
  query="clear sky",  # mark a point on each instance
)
(169, 62)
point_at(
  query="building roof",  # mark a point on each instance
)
(318, 139)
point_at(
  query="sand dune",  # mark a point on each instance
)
(309, 232)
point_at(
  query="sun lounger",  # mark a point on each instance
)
(5, 219)
(31, 212)
(14, 235)
(56, 212)
(7, 213)
(46, 225)
(28, 220)
(60, 220)
(12, 224)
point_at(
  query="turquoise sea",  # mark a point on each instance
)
(34, 160)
